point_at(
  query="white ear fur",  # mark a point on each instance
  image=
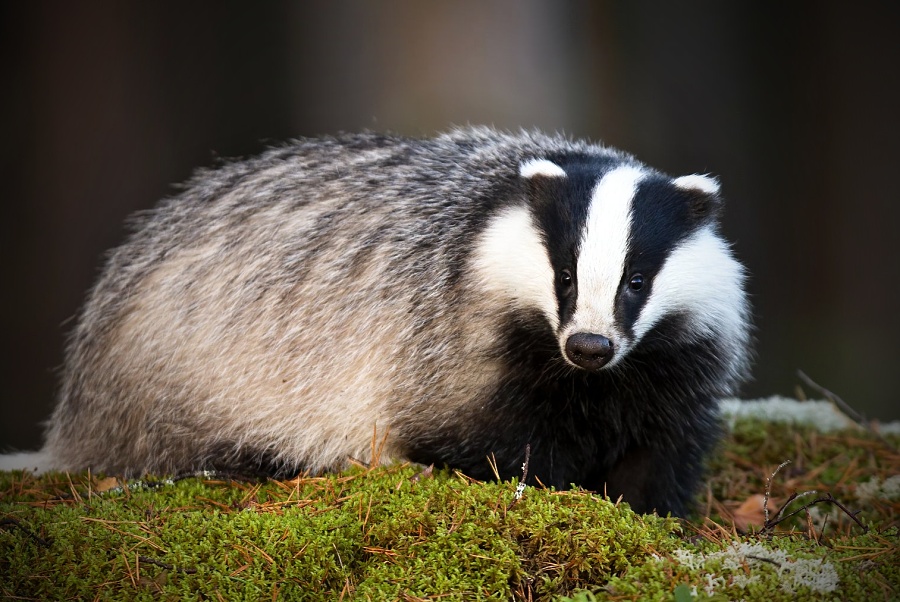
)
(704, 184)
(541, 167)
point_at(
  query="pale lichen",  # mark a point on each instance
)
(875, 488)
(743, 564)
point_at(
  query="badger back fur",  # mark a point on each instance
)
(466, 296)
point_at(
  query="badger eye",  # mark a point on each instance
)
(636, 283)
(565, 279)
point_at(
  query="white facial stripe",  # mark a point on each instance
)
(512, 262)
(541, 167)
(704, 184)
(604, 247)
(702, 278)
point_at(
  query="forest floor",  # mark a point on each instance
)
(800, 503)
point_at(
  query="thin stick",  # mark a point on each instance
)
(844, 407)
(492, 462)
(520, 488)
(44, 543)
(769, 489)
(165, 565)
(525, 463)
(793, 498)
(761, 559)
(840, 403)
(826, 498)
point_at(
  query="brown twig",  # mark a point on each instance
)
(762, 559)
(165, 565)
(44, 543)
(525, 463)
(781, 517)
(769, 490)
(844, 407)
(855, 416)
(212, 475)
(520, 489)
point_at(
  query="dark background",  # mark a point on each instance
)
(794, 106)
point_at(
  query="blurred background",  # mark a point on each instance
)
(794, 106)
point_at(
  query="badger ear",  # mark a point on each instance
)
(535, 169)
(703, 194)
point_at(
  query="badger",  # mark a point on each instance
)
(461, 298)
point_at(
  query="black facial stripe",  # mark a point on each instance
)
(560, 207)
(662, 217)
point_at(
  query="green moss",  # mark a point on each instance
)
(378, 534)
(385, 534)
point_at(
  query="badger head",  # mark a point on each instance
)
(610, 252)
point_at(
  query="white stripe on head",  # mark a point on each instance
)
(541, 167)
(702, 280)
(601, 260)
(512, 262)
(704, 184)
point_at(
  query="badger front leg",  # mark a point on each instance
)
(654, 479)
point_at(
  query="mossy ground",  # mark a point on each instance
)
(397, 533)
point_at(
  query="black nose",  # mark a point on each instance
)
(589, 351)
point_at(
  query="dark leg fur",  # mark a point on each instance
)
(652, 481)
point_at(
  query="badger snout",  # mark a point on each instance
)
(588, 350)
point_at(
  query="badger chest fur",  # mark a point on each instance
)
(466, 295)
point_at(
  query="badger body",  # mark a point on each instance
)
(462, 297)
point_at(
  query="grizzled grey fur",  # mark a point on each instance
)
(281, 311)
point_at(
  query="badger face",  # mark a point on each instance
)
(610, 251)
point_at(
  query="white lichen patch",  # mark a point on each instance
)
(822, 415)
(875, 488)
(889, 428)
(742, 564)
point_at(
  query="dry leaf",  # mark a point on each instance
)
(106, 484)
(751, 513)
